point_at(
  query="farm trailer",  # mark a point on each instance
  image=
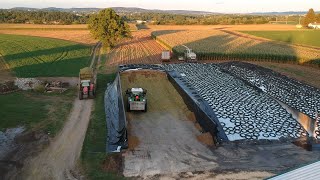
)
(87, 83)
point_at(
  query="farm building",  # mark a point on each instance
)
(314, 25)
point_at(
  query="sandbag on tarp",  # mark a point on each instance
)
(116, 120)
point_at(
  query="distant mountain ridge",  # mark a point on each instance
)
(117, 9)
(141, 10)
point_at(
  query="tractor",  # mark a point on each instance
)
(136, 99)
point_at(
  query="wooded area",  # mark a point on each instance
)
(42, 17)
(57, 17)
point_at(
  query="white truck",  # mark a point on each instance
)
(166, 55)
(189, 55)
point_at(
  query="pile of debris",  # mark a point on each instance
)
(56, 86)
(41, 86)
(27, 83)
(8, 87)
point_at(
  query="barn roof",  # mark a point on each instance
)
(310, 171)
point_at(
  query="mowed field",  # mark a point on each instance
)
(141, 49)
(29, 56)
(304, 37)
(75, 33)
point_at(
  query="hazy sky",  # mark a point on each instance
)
(226, 6)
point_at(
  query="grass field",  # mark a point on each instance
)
(29, 56)
(35, 111)
(94, 148)
(305, 37)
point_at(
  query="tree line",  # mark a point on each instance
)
(174, 19)
(42, 17)
(56, 17)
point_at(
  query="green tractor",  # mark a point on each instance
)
(136, 99)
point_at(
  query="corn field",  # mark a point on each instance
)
(219, 45)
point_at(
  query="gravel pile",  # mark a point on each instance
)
(27, 83)
(7, 143)
(243, 111)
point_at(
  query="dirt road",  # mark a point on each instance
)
(61, 156)
(59, 159)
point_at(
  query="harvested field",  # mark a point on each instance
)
(34, 56)
(141, 49)
(169, 144)
(75, 33)
(218, 44)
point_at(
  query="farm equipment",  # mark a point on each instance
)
(137, 100)
(189, 55)
(166, 55)
(87, 83)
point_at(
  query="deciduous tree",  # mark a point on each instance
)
(108, 27)
(310, 17)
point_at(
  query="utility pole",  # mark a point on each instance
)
(299, 19)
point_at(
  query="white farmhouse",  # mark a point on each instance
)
(314, 25)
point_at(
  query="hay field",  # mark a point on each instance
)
(75, 33)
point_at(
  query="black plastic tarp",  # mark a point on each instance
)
(115, 117)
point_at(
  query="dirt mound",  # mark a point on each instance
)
(206, 139)
(192, 117)
(113, 164)
(7, 87)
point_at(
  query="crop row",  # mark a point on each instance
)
(218, 45)
(140, 49)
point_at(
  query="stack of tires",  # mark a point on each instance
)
(243, 112)
(295, 94)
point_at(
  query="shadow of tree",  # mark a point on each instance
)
(67, 67)
(165, 32)
(44, 52)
